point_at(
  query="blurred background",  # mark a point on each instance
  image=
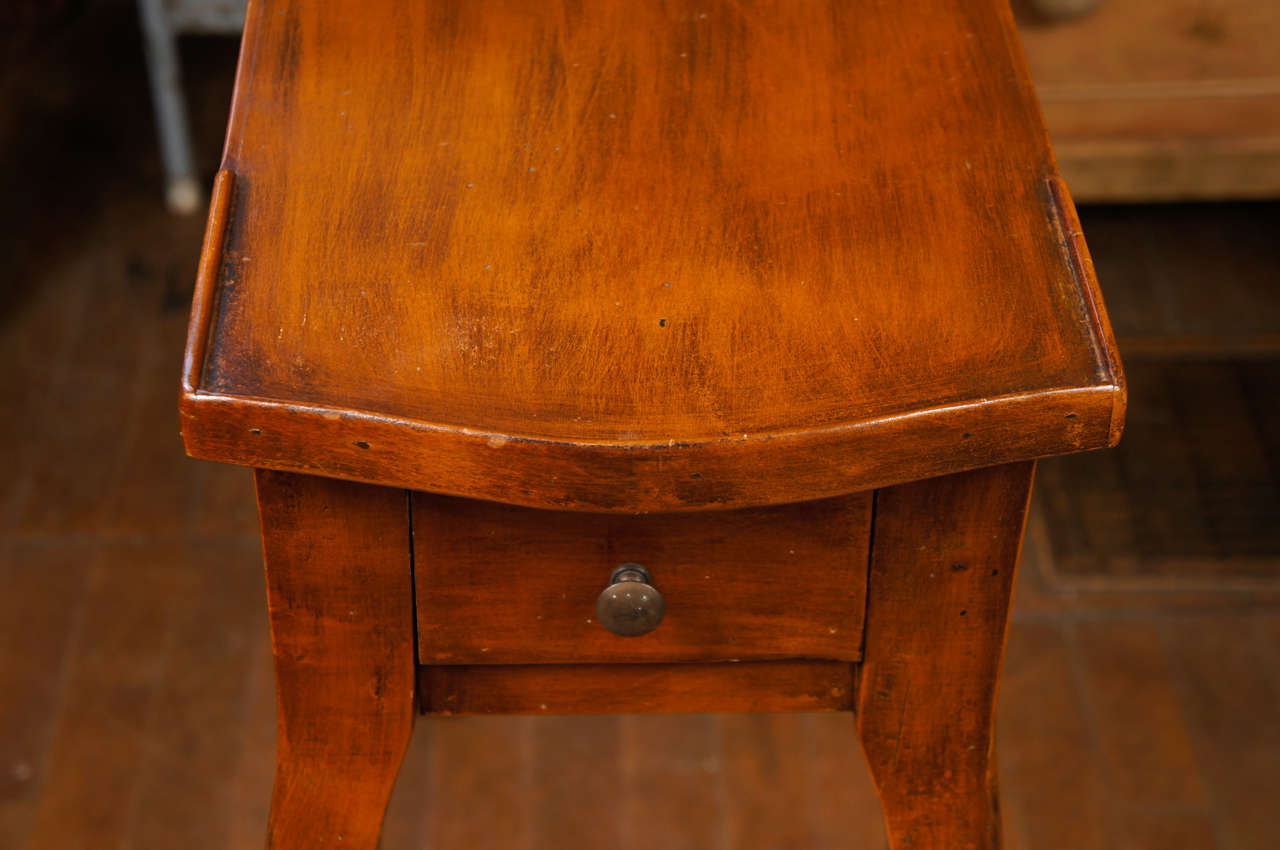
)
(1141, 694)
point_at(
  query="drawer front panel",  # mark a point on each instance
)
(498, 584)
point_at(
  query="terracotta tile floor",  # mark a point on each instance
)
(135, 683)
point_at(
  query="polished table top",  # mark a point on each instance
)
(636, 256)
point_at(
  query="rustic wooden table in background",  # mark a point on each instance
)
(614, 285)
(1161, 100)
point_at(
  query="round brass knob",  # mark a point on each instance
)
(630, 605)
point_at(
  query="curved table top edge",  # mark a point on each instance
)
(642, 477)
(633, 478)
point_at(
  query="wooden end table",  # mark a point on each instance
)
(640, 356)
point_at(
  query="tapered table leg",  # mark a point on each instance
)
(942, 568)
(339, 591)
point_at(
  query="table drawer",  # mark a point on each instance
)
(498, 584)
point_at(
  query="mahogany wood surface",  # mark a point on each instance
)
(498, 584)
(639, 256)
(942, 569)
(637, 688)
(340, 598)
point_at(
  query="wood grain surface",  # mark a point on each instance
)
(942, 570)
(637, 688)
(339, 591)
(498, 584)
(641, 256)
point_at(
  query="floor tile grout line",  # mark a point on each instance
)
(627, 772)
(528, 780)
(1093, 725)
(1178, 677)
(1013, 819)
(723, 835)
(252, 692)
(423, 825)
(147, 752)
(808, 727)
(66, 670)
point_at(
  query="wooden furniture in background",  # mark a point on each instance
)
(779, 300)
(1157, 100)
